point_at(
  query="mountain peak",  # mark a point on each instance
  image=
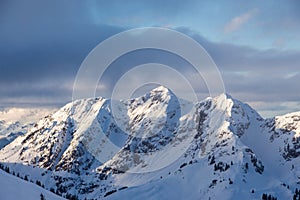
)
(161, 90)
(160, 94)
(224, 96)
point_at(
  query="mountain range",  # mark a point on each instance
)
(158, 147)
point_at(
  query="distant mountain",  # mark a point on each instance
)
(145, 148)
(9, 132)
(17, 121)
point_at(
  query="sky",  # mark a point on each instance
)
(255, 45)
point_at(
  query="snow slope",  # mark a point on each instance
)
(13, 188)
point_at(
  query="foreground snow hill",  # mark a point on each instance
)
(13, 188)
(220, 149)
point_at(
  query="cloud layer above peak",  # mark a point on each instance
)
(256, 45)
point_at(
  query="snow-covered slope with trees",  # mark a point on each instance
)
(220, 149)
(13, 188)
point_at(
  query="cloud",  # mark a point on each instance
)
(271, 109)
(45, 76)
(42, 47)
(239, 21)
(251, 75)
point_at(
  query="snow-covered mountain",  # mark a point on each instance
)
(11, 131)
(146, 148)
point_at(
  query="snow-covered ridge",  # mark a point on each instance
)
(222, 148)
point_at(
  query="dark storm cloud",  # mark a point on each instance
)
(48, 70)
(59, 63)
(40, 39)
(42, 47)
(61, 57)
(32, 70)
